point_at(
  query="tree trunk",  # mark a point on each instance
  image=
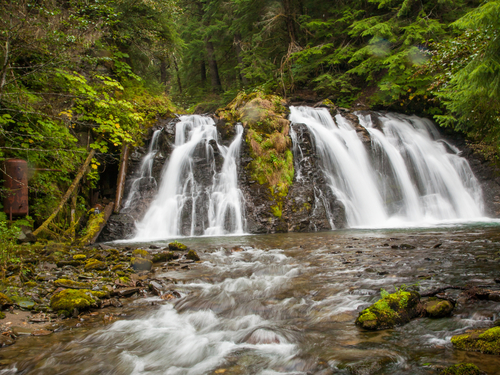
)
(177, 73)
(107, 213)
(122, 173)
(203, 72)
(5, 67)
(66, 196)
(237, 47)
(214, 71)
(289, 20)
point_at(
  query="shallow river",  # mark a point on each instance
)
(286, 304)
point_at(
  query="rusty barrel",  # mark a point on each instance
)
(16, 181)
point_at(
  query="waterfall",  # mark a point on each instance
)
(408, 177)
(193, 197)
(145, 172)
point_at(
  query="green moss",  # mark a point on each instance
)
(487, 342)
(93, 226)
(30, 284)
(2, 315)
(462, 369)
(94, 264)
(140, 253)
(124, 280)
(117, 267)
(4, 300)
(66, 283)
(438, 308)
(70, 299)
(177, 246)
(79, 257)
(265, 119)
(163, 257)
(192, 255)
(392, 310)
(100, 294)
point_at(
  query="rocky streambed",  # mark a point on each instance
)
(267, 304)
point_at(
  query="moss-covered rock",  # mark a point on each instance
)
(140, 253)
(24, 302)
(95, 265)
(192, 255)
(163, 257)
(66, 283)
(2, 315)
(71, 299)
(393, 310)
(5, 301)
(483, 341)
(177, 246)
(462, 369)
(79, 257)
(438, 308)
(141, 264)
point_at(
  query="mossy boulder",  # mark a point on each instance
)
(5, 301)
(483, 341)
(163, 257)
(79, 257)
(70, 299)
(438, 308)
(192, 255)
(392, 310)
(66, 283)
(462, 369)
(140, 253)
(177, 246)
(141, 264)
(95, 265)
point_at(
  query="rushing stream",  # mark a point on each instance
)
(286, 304)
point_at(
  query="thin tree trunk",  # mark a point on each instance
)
(120, 184)
(214, 71)
(66, 196)
(237, 47)
(203, 72)
(289, 20)
(177, 73)
(5, 67)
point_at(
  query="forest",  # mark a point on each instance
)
(86, 77)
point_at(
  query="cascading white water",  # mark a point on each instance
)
(193, 199)
(344, 162)
(409, 178)
(145, 171)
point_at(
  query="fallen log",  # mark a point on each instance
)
(122, 173)
(66, 196)
(96, 225)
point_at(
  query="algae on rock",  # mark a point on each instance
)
(390, 311)
(483, 341)
(462, 369)
(70, 299)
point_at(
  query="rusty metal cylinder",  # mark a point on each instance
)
(16, 181)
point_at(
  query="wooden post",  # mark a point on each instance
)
(122, 173)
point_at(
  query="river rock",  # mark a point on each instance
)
(141, 264)
(95, 265)
(70, 299)
(192, 255)
(480, 340)
(462, 369)
(438, 308)
(177, 246)
(6, 340)
(393, 310)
